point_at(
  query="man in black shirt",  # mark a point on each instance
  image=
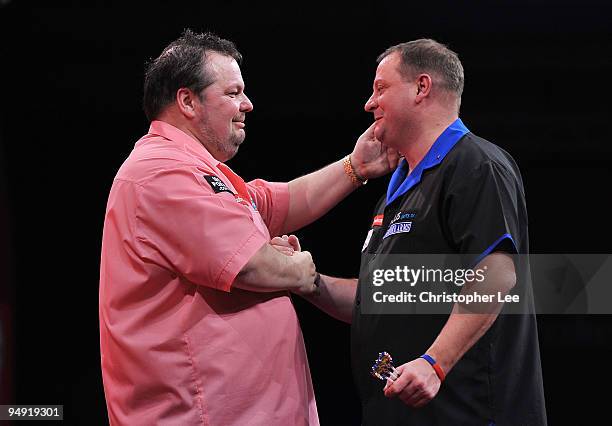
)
(453, 193)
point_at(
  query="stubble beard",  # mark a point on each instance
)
(226, 149)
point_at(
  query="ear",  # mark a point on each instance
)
(187, 102)
(423, 87)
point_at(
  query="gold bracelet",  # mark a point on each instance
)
(351, 173)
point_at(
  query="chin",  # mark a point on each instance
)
(238, 137)
(379, 133)
(390, 143)
(229, 155)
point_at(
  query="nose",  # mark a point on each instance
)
(371, 104)
(246, 105)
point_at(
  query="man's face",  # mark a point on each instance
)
(392, 103)
(223, 107)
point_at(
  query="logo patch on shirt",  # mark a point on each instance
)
(217, 184)
(398, 228)
(378, 220)
(403, 216)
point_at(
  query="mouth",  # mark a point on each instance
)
(239, 124)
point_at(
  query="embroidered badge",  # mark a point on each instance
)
(217, 184)
(403, 216)
(378, 220)
(398, 228)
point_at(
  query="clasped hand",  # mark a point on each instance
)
(290, 245)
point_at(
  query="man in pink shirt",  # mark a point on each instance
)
(196, 323)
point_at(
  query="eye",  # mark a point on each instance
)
(233, 94)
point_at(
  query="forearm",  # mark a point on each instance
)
(459, 334)
(313, 195)
(335, 296)
(464, 327)
(268, 271)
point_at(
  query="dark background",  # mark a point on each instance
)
(537, 84)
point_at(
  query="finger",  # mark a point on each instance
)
(397, 386)
(412, 393)
(368, 135)
(295, 242)
(408, 396)
(399, 381)
(392, 158)
(391, 391)
(421, 402)
(411, 396)
(284, 250)
(285, 237)
(280, 242)
(398, 372)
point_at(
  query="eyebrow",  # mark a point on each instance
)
(235, 85)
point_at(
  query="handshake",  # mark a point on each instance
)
(308, 282)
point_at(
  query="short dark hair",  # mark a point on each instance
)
(429, 56)
(181, 64)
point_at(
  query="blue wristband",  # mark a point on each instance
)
(436, 367)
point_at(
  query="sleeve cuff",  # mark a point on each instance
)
(504, 238)
(240, 258)
(280, 201)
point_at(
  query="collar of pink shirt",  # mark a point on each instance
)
(176, 135)
(196, 148)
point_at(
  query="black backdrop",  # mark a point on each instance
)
(537, 84)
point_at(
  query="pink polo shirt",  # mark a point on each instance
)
(179, 345)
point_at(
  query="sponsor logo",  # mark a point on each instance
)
(217, 184)
(403, 216)
(378, 220)
(398, 228)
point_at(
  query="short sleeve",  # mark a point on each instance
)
(185, 226)
(272, 199)
(482, 209)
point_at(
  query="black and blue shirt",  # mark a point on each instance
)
(465, 197)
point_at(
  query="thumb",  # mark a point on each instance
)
(280, 242)
(295, 242)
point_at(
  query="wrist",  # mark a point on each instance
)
(309, 288)
(354, 171)
(436, 367)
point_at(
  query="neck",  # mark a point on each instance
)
(418, 146)
(176, 119)
(171, 117)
